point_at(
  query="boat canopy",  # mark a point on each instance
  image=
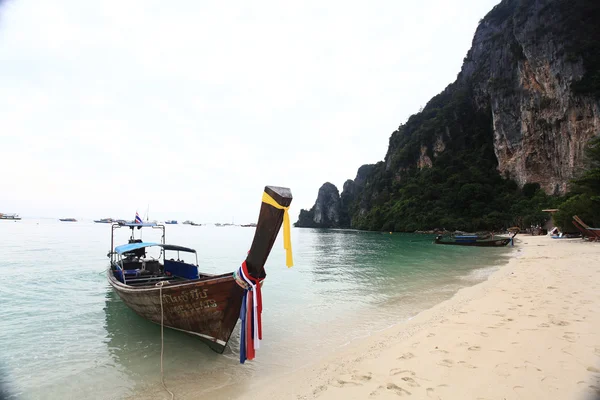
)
(125, 248)
(176, 248)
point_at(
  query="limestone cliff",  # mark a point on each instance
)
(326, 211)
(523, 63)
(522, 109)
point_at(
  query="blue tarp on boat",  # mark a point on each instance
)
(124, 248)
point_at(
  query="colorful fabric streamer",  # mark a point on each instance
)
(250, 314)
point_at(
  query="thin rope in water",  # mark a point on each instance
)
(162, 344)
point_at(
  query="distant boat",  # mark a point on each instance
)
(171, 222)
(248, 225)
(67, 219)
(104, 221)
(14, 217)
(188, 222)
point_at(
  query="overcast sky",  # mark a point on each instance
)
(192, 107)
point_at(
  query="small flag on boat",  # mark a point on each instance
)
(138, 220)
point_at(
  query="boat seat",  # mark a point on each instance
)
(181, 269)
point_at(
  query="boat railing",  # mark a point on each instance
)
(132, 226)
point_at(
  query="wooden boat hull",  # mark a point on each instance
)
(207, 308)
(486, 243)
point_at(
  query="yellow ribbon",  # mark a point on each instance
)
(287, 240)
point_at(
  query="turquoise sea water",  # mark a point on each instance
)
(65, 334)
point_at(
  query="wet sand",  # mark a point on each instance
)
(532, 330)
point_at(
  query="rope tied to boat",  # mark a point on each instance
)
(287, 241)
(250, 313)
(162, 343)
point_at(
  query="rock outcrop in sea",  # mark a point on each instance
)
(326, 211)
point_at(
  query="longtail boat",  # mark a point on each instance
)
(474, 240)
(170, 291)
(592, 234)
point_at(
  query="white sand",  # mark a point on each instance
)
(532, 331)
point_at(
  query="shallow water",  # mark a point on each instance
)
(65, 334)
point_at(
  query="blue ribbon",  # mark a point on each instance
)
(243, 337)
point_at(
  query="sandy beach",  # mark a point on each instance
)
(531, 331)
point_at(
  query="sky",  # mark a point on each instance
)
(189, 108)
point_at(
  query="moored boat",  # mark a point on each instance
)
(104, 221)
(13, 217)
(171, 222)
(67, 219)
(474, 240)
(173, 291)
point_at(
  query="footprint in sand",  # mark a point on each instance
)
(363, 378)
(594, 370)
(429, 392)
(431, 335)
(446, 363)
(474, 348)
(391, 387)
(483, 334)
(398, 371)
(466, 364)
(560, 323)
(397, 389)
(406, 356)
(319, 389)
(439, 351)
(543, 325)
(410, 381)
(569, 338)
(342, 383)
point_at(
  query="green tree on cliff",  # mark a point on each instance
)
(584, 199)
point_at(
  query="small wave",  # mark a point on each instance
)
(479, 274)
